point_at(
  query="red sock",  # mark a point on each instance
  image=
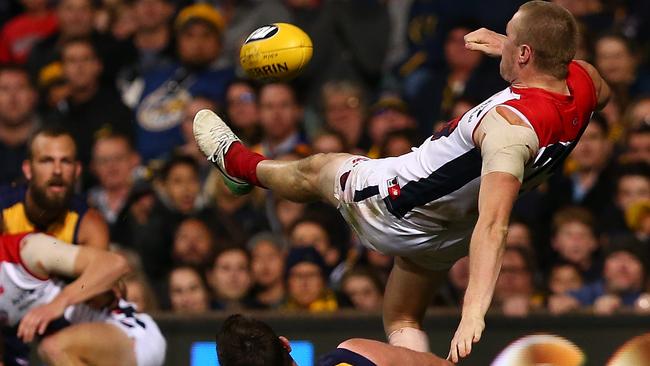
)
(242, 163)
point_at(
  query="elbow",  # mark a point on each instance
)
(121, 266)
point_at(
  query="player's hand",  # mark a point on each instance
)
(36, 320)
(486, 41)
(469, 331)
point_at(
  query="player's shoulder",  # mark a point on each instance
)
(343, 356)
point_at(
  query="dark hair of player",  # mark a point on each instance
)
(243, 341)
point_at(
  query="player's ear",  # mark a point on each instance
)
(27, 169)
(77, 169)
(525, 53)
(285, 343)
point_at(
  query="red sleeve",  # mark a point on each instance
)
(583, 85)
(10, 247)
(10, 251)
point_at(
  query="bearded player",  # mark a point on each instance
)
(452, 196)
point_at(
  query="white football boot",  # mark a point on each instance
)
(214, 138)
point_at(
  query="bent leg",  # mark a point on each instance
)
(409, 291)
(80, 344)
(304, 180)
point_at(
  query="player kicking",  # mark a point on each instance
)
(452, 195)
(32, 300)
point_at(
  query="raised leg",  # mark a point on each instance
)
(309, 179)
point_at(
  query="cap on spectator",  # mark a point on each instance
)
(200, 12)
(389, 102)
(304, 254)
(50, 74)
(267, 237)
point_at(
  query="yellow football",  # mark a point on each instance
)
(275, 52)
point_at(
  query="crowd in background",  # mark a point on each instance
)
(124, 78)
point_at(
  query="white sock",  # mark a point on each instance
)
(411, 338)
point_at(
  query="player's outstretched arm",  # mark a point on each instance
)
(507, 144)
(486, 41)
(96, 271)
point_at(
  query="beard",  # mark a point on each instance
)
(54, 205)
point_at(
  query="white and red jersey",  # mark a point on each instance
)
(429, 198)
(20, 290)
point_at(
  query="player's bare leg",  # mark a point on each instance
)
(79, 345)
(408, 294)
(305, 180)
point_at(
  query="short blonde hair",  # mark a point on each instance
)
(552, 32)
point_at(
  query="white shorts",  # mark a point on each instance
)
(149, 343)
(434, 245)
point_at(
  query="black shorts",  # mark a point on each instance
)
(343, 357)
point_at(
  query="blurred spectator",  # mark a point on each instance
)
(189, 146)
(349, 45)
(280, 117)
(638, 112)
(462, 106)
(623, 282)
(564, 277)
(48, 202)
(238, 217)
(21, 33)
(169, 88)
(267, 264)
(453, 292)
(398, 142)
(18, 120)
(76, 18)
(638, 220)
(188, 292)
(154, 43)
(364, 288)
(176, 199)
(305, 275)
(244, 16)
(389, 114)
(139, 292)
(345, 112)
(53, 87)
(114, 162)
(230, 279)
(121, 22)
(515, 291)
(329, 141)
(632, 188)
(589, 182)
(618, 62)
(637, 148)
(284, 213)
(519, 235)
(243, 112)
(309, 232)
(90, 106)
(575, 242)
(432, 94)
(194, 244)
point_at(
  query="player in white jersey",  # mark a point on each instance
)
(452, 195)
(30, 299)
